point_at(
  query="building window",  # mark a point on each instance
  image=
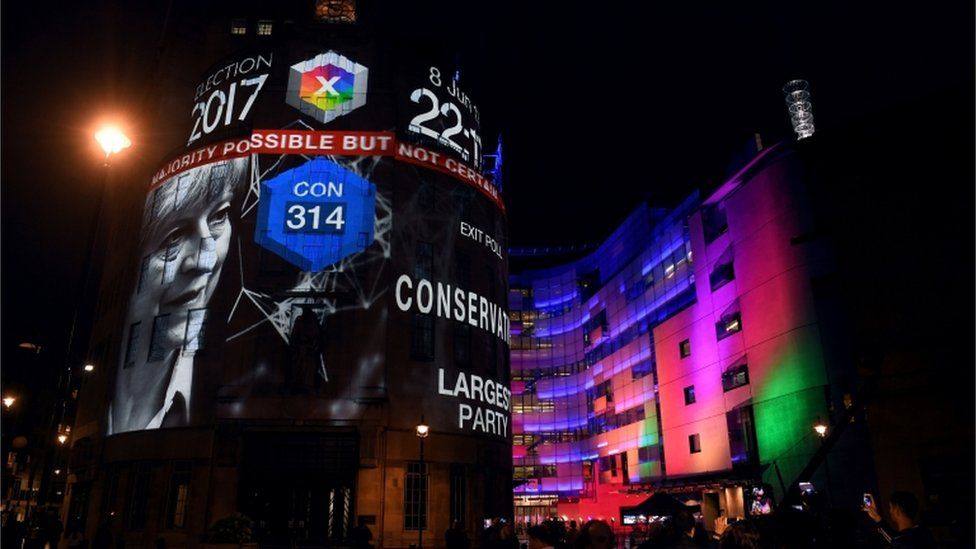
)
(264, 27)
(207, 255)
(463, 268)
(641, 369)
(218, 177)
(459, 493)
(491, 370)
(714, 221)
(156, 204)
(336, 11)
(694, 443)
(182, 189)
(196, 325)
(684, 348)
(647, 454)
(422, 337)
(734, 377)
(157, 348)
(729, 323)
(238, 27)
(462, 202)
(423, 264)
(139, 497)
(415, 497)
(490, 272)
(143, 273)
(596, 328)
(110, 492)
(588, 284)
(723, 272)
(179, 489)
(689, 395)
(462, 345)
(171, 257)
(742, 436)
(425, 196)
(130, 346)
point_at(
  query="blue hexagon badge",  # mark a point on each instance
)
(315, 215)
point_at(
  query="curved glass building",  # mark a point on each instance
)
(686, 354)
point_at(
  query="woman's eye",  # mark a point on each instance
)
(219, 217)
(170, 248)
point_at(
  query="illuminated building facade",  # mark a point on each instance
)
(318, 268)
(685, 354)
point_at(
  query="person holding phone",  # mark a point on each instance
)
(903, 509)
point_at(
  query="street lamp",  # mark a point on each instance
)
(112, 141)
(820, 428)
(423, 430)
(62, 438)
(28, 345)
(8, 401)
(89, 367)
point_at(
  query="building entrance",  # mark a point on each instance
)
(299, 488)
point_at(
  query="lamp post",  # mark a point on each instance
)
(112, 141)
(422, 431)
(821, 429)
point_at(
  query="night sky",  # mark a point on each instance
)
(601, 105)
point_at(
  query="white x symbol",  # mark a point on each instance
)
(327, 85)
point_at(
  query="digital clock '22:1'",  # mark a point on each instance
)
(447, 115)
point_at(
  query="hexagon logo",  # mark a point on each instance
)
(327, 86)
(316, 215)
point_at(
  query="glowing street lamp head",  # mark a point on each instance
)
(62, 438)
(112, 140)
(32, 346)
(820, 428)
(89, 367)
(8, 401)
(423, 430)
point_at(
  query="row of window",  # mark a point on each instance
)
(563, 370)
(663, 270)
(549, 437)
(723, 272)
(742, 436)
(534, 471)
(176, 498)
(732, 378)
(730, 322)
(529, 343)
(416, 487)
(238, 27)
(422, 344)
(609, 422)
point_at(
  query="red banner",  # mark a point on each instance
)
(198, 157)
(324, 143)
(420, 156)
(336, 143)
